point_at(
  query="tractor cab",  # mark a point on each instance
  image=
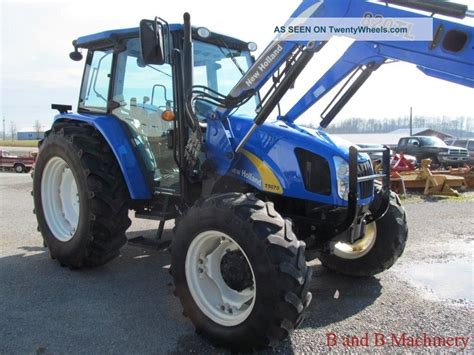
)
(144, 94)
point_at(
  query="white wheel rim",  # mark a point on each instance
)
(360, 247)
(213, 296)
(60, 199)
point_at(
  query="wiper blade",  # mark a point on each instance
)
(232, 57)
(159, 71)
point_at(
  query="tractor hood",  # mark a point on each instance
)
(272, 158)
(282, 133)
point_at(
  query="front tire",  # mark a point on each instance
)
(435, 163)
(19, 168)
(80, 198)
(240, 272)
(390, 240)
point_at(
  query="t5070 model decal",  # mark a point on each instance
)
(258, 173)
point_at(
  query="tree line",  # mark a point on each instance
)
(458, 126)
(11, 132)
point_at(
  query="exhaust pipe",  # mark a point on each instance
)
(439, 7)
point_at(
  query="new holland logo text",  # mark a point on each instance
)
(247, 175)
(264, 65)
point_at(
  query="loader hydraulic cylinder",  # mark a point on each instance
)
(282, 89)
(434, 6)
(345, 98)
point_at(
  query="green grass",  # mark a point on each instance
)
(418, 197)
(28, 144)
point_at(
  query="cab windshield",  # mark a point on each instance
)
(432, 142)
(220, 68)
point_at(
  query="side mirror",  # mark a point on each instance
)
(76, 55)
(152, 42)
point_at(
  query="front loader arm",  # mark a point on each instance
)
(436, 58)
(431, 58)
(278, 52)
(359, 54)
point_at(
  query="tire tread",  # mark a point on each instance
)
(107, 193)
(273, 234)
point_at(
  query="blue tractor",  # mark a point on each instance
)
(172, 123)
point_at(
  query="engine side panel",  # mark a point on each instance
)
(269, 161)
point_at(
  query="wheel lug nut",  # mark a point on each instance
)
(222, 308)
(200, 270)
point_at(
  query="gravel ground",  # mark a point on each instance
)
(127, 306)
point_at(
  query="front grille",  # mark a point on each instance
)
(366, 188)
(315, 171)
(458, 152)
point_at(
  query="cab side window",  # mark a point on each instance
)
(470, 146)
(95, 87)
(141, 94)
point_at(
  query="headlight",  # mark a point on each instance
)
(252, 46)
(342, 176)
(203, 32)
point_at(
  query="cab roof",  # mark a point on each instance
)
(110, 38)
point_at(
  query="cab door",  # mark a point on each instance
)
(413, 147)
(470, 149)
(143, 95)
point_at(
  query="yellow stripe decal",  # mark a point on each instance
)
(270, 182)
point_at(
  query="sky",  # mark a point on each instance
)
(36, 71)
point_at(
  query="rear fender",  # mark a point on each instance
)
(119, 142)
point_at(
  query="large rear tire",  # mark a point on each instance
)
(240, 272)
(391, 233)
(80, 198)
